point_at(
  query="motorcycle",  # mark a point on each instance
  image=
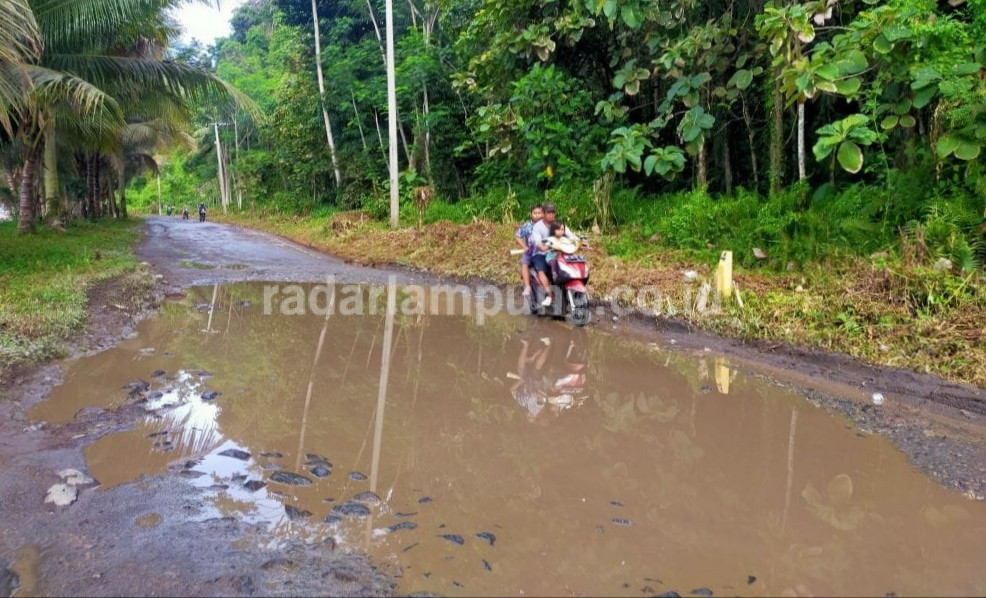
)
(568, 284)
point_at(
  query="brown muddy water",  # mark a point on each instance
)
(520, 457)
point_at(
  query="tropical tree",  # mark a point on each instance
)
(96, 57)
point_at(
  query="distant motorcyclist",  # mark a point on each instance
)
(184, 213)
(201, 212)
(171, 209)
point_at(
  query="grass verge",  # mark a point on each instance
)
(885, 310)
(45, 279)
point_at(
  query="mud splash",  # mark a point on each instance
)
(519, 457)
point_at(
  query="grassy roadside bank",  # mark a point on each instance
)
(886, 310)
(45, 279)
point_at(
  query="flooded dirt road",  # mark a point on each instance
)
(518, 457)
(238, 452)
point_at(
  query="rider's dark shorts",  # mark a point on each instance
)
(539, 263)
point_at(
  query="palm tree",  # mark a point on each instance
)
(97, 56)
(20, 43)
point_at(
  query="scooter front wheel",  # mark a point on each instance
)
(578, 313)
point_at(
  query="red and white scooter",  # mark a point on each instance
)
(568, 284)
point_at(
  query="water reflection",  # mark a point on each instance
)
(551, 370)
(649, 477)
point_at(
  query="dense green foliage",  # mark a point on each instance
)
(801, 129)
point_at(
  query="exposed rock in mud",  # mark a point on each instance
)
(369, 498)
(351, 509)
(281, 565)
(454, 538)
(139, 385)
(294, 513)
(235, 454)
(61, 495)
(291, 479)
(321, 471)
(402, 525)
(74, 477)
(9, 582)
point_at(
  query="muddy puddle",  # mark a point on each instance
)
(518, 457)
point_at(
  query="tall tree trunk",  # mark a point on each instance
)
(383, 146)
(220, 174)
(25, 216)
(703, 169)
(727, 165)
(751, 138)
(392, 118)
(424, 115)
(122, 213)
(321, 96)
(111, 204)
(383, 53)
(777, 139)
(427, 26)
(801, 140)
(88, 205)
(51, 187)
(359, 124)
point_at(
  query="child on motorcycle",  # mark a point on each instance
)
(523, 239)
(557, 232)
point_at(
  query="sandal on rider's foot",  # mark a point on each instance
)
(547, 301)
(527, 292)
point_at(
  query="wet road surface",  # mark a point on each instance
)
(189, 252)
(517, 457)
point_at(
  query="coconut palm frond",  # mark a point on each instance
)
(184, 81)
(20, 38)
(80, 23)
(52, 86)
(20, 43)
(144, 161)
(14, 87)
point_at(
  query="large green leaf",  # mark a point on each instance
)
(848, 87)
(882, 45)
(823, 147)
(896, 32)
(850, 157)
(947, 145)
(924, 95)
(967, 150)
(742, 79)
(889, 122)
(966, 68)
